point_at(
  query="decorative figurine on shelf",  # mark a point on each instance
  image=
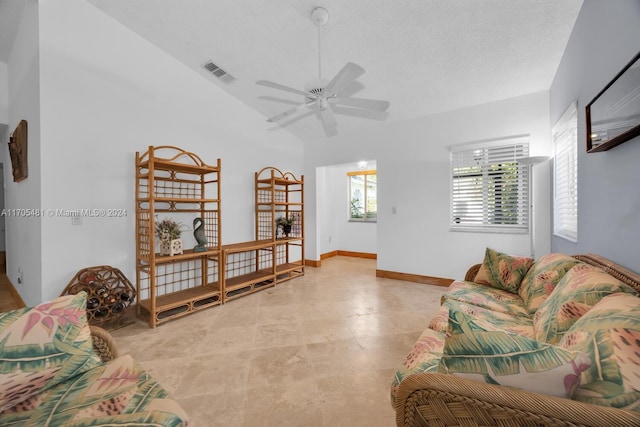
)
(198, 233)
(168, 232)
(285, 224)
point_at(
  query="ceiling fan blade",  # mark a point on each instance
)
(360, 113)
(274, 85)
(369, 104)
(329, 122)
(289, 112)
(346, 75)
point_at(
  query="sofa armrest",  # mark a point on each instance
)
(430, 399)
(472, 273)
(103, 344)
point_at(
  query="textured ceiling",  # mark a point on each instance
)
(424, 56)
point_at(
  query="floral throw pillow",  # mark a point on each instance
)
(503, 271)
(542, 278)
(499, 357)
(610, 334)
(42, 346)
(580, 289)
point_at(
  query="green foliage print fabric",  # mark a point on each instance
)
(610, 334)
(499, 357)
(503, 271)
(579, 290)
(542, 278)
(119, 393)
(485, 296)
(43, 346)
(424, 357)
(490, 319)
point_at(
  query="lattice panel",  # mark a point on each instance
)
(211, 219)
(175, 276)
(295, 254)
(281, 255)
(265, 259)
(143, 187)
(241, 263)
(296, 228)
(177, 185)
(144, 239)
(213, 270)
(265, 225)
(264, 196)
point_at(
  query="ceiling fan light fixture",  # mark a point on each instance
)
(316, 86)
(319, 92)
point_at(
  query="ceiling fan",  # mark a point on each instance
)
(320, 93)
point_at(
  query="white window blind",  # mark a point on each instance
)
(565, 172)
(489, 188)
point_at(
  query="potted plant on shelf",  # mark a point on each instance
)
(285, 224)
(168, 232)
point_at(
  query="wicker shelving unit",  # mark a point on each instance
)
(176, 183)
(272, 257)
(248, 268)
(279, 194)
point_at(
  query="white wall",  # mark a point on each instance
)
(336, 232)
(105, 94)
(413, 176)
(4, 93)
(24, 245)
(604, 39)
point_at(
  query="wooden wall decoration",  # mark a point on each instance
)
(18, 151)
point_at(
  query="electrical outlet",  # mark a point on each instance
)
(20, 276)
(330, 239)
(394, 210)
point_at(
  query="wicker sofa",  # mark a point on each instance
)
(580, 314)
(57, 370)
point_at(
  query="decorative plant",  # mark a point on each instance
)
(285, 223)
(168, 229)
(356, 208)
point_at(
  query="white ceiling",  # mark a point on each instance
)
(424, 56)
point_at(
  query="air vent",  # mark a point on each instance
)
(219, 72)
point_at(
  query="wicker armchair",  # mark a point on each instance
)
(103, 344)
(432, 399)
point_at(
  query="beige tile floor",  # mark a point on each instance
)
(319, 350)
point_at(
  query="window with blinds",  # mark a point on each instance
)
(489, 188)
(565, 173)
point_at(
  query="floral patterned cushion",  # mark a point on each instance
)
(486, 296)
(579, 290)
(118, 393)
(499, 357)
(498, 321)
(440, 321)
(542, 278)
(503, 271)
(424, 357)
(610, 334)
(43, 346)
